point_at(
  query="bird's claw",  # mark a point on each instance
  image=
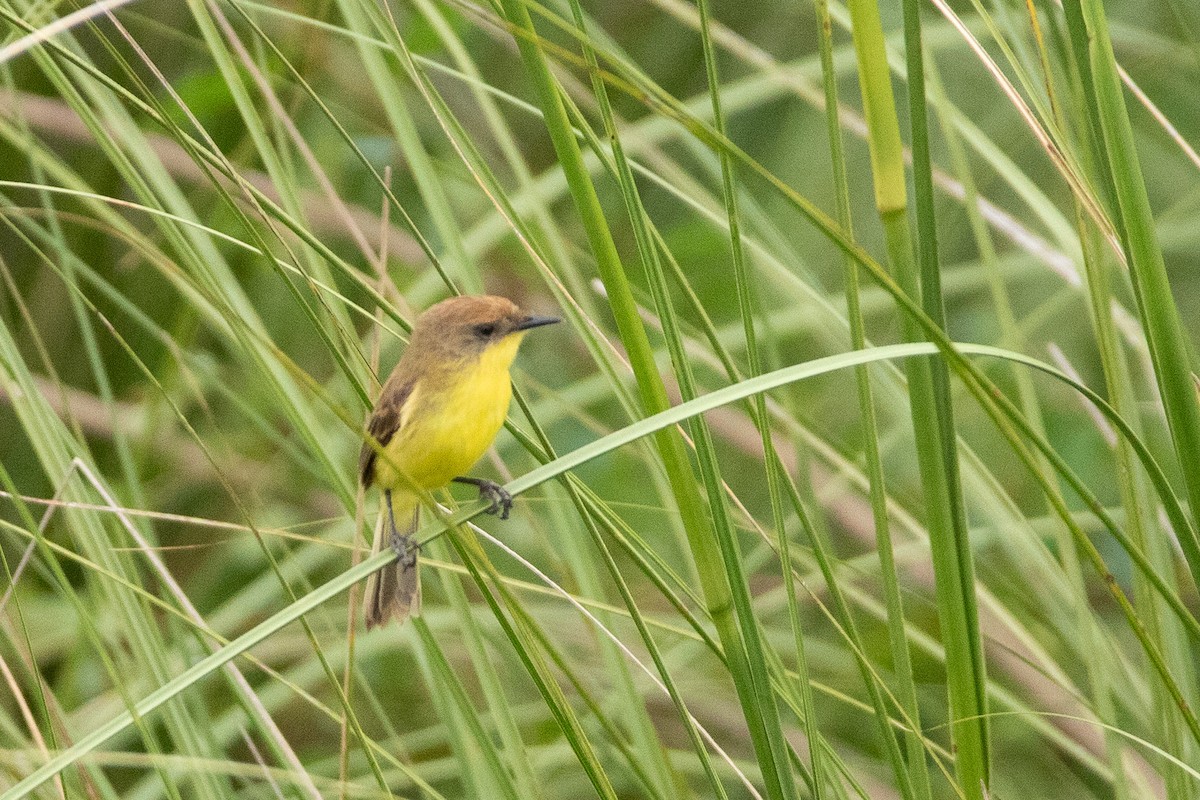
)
(501, 501)
(407, 549)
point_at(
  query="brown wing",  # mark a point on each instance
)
(384, 422)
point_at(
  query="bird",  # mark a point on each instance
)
(437, 414)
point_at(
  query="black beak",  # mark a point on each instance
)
(535, 322)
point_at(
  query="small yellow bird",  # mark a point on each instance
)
(438, 413)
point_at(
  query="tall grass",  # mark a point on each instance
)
(723, 577)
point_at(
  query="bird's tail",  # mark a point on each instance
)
(395, 590)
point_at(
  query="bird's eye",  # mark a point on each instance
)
(485, 330)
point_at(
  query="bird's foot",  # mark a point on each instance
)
(407, 549)
(501, 501)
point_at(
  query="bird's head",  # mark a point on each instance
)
(467, 326)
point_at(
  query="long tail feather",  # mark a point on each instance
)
(395, 590)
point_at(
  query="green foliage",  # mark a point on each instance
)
(722, 577)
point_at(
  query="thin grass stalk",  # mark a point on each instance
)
(349, 713)
(373, 344)
(918, 773)
(53, 446)
(1150, 646)
(341, 341)
(104, 385)
(544, 229)
(929, 287)
(748, 666)
(523, 777)
(627, 704)
(1144, 529)
(87, 774)
(624, 696)
(246, 699)
(523, 634)
(616, 736)
(218, 291)
(98, 369)
(598, 711)
(385, 185)
(843, 615)
(746, 308)
(1168, 345)
(22, 643)
(757, 703)
(1165, 337)
(948, 546)
(476, 746)
(528, 641)
(650, 564)
(983, 389)
(144, 648)
(1085, 539)
(1135, 498)
(148, 179)
(421, 167)
(931, 414)
(1135, 494)
(471, 776)
(596, 515)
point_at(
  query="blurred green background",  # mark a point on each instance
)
(219, 219)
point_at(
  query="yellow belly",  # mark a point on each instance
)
(449, 423)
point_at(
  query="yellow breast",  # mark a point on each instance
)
(450, 420)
